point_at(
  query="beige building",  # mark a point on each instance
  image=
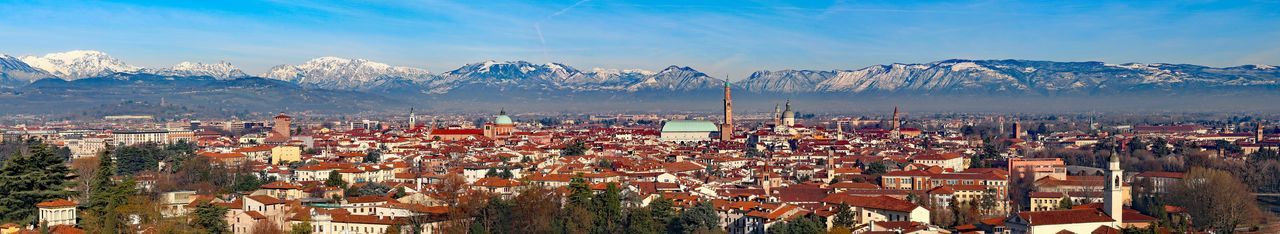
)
(881, 208)
(176, 136)
(139, 137)
(1042, 201)
(57, 212)
(174, 204)
(88, 146)
(283, 154)
(256, 210)
(952, 161)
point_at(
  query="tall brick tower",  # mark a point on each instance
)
(726, 129)
(895, 124)
(1257, 133)
(280, 131)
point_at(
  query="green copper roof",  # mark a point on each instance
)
(503, 119)
(690, 126)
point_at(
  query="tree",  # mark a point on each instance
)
(662, 211)
(1228, 147)
(506, 173)
(29, 178)
(372, 156)
(579, 193)
(640, 221)
(1220, 201)
(248, 182)
(840, 230)
(578, 217)
(106, 197)
(1066, 203)
(845, 216)
(369, 189)
(698, 219)
(1160, 147)
(578, 148)
(536, 207)
(209, 218)
(876, 168)
(266, 226)
(608, 207)
(300, 228)
(100, 185)
(85, 168)
(1264, 154)
(1137, 144)
(335, 180)
(988, 201)
(803, 225)
(142, 209)
(493, 217)
(398, 192)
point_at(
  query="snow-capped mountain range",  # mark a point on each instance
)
(948, 76)
(347, 74)
(1011, 77)
(15, 72)
(77, 64)
(220, 70)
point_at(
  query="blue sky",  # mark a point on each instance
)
(721, 38)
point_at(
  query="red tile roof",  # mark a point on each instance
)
(266, 200)
(1055, 217)
(56, 203)
(877, 202)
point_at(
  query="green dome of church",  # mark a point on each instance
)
(503, 118)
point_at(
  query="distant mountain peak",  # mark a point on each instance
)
(220, 70)
(14, 72)
(342, 73)
(77, 64)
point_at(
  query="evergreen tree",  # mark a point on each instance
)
(845, 216)
(209, 219)
(1066, 203)
(608, 207)
(876, 168)
(662, 212)
(335, 180)
(578, 148)
(101, 208)
(1160, 147)
(506, 174)
(26, 179)
(640, 221)
(373, 156)
(579, 216)
(100, 184)
(804, 225)
(579, 193)
(698, 219)
(249, 182)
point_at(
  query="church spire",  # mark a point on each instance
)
(1113, 202)
(413, 119)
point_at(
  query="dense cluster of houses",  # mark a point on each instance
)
(896, 179)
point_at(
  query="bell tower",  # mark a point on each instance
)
(726, 129)
(1113, 203)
